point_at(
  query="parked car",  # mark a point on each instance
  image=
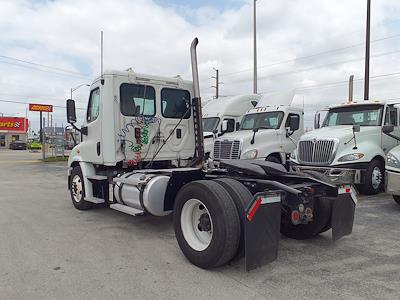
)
(34, 145)
(18, 145)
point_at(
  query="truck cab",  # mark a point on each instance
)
(265, 133)
(349, 146)
(223, 115)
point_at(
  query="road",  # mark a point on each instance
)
(49, 250)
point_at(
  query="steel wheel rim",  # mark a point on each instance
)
(77, 188)
(376, 178)
(192, 212)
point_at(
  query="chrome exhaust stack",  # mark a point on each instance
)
(196, 103)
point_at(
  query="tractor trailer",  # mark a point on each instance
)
(142, 152)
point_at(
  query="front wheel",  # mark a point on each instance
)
(77, 189)
(396, 199)
(206, 224)
(374, 178)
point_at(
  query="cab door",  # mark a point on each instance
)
(91, 147)
(391, 118)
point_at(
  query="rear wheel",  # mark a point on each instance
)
(397, 199)
(319, 224)
(374, 178)
(242, 197)
(206, 224)
(77, 189)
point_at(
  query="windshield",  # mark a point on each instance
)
(209, 124)
(363, 115)
(267, 120)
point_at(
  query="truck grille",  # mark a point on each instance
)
(226, 149)
(316, 151)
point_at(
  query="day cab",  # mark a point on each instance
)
(223, 115)
(350, 146)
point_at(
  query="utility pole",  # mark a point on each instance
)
(367, 51)
(217, 83)
(255, 47)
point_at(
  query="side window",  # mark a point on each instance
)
(287, 124)
(137, 100)
(93, 106)
(231, 125)
(391, 117)
(175, 103)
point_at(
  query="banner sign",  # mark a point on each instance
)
(41, 107)
(13, 124)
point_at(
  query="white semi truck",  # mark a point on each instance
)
(223, 115)
(350, 147)
(266, 133)
(142, 153)
(393, 166)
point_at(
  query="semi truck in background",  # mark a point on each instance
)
(223, 115)
(266, 132)
(142, 153)
(348, 144)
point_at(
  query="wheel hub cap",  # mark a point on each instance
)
(376, 178)
(77, 188)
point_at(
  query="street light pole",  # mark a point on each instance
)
(367, 51)
(77, 87)
(255, 47)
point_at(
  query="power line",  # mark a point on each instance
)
(312, 55)
(315, 67)
(21, 102)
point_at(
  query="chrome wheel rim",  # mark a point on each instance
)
(376, 177)
(77, 188)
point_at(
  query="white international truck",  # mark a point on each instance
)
(223, 115)
(393, 166)
(267, 133)
(142, 153)
(350, 146)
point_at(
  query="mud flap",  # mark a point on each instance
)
(262, 229)
(343, 209)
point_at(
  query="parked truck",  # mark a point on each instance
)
(393, 166)
(349, 146)
(142, 153)
(267, 133)
(223, 115)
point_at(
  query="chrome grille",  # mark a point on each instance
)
(226, 149)
(316, 151)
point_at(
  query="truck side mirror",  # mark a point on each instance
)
(387, 129)
(317, 119)
(294, 123)
(224, 126)
(71, 112)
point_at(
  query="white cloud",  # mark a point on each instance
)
(155, 39)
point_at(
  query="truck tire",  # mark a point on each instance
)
(77, 190)
(241, 197)
(206, 224)
(396, 199)
(374, 178)
(320, 223)
(273, 159)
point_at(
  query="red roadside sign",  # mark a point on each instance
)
(13, 124)
(41, 107)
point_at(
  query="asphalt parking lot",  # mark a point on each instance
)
(49, 250)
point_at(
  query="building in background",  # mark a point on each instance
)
(13, 129)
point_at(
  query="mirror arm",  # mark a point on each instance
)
(76, 128)
(393, 136)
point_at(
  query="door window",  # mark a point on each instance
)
(93, 106)
(231, 125)
(391, 117)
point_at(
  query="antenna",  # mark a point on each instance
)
(101, 58)
(351, 84)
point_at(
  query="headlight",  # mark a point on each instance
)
(293, 155)
(252, 154)
(392, 161)
(351, 157)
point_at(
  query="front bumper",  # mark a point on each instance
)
(393, 183)
(338, 176)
